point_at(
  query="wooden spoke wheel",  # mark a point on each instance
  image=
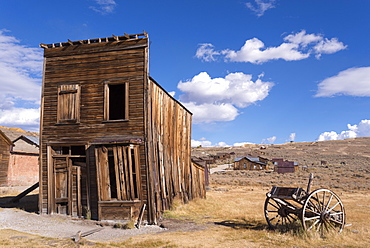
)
(279, 213)
(322, 212)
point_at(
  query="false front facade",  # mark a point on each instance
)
(112, 140)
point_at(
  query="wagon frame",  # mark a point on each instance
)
(320, 210)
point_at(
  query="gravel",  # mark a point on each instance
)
(60, 226)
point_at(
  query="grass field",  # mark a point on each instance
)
(231, 216)
(235, 219)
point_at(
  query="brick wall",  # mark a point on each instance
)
(23, 170)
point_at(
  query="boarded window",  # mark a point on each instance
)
(118, 172)
(116, 101)
(68, 103)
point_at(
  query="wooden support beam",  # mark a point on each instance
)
(24, 193)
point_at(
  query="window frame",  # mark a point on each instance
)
(107, 95)
(68, 106)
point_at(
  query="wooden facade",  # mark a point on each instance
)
(112, 139)
(5, 148)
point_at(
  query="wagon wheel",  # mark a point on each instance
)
(322, 212)
(279, 213)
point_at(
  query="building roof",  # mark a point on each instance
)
(7, 140)
(252, 159)
(31, 139)
(113, 38)
(12, 133)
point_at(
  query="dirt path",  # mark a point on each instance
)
(222, 167)
(57, 226)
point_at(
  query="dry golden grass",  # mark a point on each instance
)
(234, 216)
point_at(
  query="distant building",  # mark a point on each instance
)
(19, 153)
(250, 163)
(284, 166)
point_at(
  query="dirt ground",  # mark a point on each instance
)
(23, 217)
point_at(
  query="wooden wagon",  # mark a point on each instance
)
(320, 210)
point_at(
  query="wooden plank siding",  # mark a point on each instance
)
(171, 174)
(5, 145)
(143, 158)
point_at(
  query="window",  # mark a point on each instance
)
(68, 103)
(68, 150)
(119, 172)
(116, 101)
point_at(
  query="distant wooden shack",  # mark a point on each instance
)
(19, 153)
(250, 163)
(284, 166)
(112, 139)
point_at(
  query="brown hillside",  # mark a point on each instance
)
(347, 164)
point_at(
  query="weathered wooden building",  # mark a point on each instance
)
(19, 155)
(250, 163)
(284, 166)
(112, 140)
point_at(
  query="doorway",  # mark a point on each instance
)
(69, 184)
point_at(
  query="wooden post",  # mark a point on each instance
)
(309, 183)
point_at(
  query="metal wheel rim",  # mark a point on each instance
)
(274, 215)
(322, 212)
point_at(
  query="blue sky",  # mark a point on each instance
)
(251, 71)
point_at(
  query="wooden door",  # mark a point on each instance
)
(61, 186)
(67, 185)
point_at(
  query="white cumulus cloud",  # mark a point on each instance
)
(297, 46)
(21, 117)
(350, 82)
(270, 140)
(206, 52)
(20, 82)
(203, 142)
(20, 70)
(208, 112)
(360, 130)
(218, 99)
(253, 52)
(104, 6)
(242, 143)
(259, 7)
(292, 136)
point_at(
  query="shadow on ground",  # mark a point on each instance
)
(243, 224)
(28, 203)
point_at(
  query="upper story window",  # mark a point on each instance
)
(116, 101)
(68, 103)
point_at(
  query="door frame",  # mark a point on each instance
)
(74, 173)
